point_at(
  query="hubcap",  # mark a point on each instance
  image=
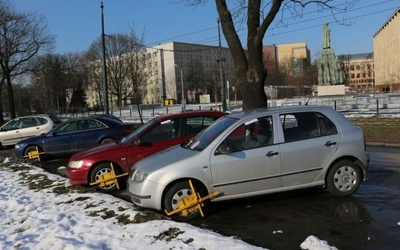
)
(100, 173)
(345, 178)
(181, 194)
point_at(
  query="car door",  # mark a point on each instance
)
(62, 140)
(30, 126)
(10, 132)
(87, 134)
(249, 168)
(160, 136)
(19, 129)
(311, 140)
(166, 134)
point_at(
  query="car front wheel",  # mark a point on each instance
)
(31, 149)
(343, 178)
(176, 193)
(107, 140)
(100, 170)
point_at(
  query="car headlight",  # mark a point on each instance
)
(16, 146)
(75, 164)
(139, 176)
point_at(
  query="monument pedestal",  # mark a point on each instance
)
(327, 90)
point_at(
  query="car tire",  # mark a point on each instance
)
(343, 178)
(178, 192)
(32, 148)
(104, 168)
(107, 140)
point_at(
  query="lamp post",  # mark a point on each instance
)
(105, 86)
(183, 90)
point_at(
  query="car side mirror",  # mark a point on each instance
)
(224, 149)
(137, 142)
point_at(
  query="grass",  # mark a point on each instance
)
(378, 129)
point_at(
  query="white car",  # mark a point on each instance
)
(24, 127)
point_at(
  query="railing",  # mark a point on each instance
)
(377, 104)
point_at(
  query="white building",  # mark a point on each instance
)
(198, 64)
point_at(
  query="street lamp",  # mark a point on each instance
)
(105, 87)
(183, 91)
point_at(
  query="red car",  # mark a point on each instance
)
(158, 134)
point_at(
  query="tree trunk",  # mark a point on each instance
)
(252, 89)
(10, 96)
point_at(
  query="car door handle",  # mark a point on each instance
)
(272, 153)
(330, 143)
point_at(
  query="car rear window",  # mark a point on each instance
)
(42, 120)
(305, 125)
(55, 119)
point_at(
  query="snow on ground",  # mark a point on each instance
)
(56, 216)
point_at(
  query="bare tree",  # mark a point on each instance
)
(258, 15)
(121, 50)
(22, 36)
(50, 80)
(93, 59)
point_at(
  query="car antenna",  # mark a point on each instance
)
(309, 98)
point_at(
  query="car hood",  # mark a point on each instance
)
(164, 158)
(96, 151)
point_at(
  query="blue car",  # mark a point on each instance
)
(71, 137)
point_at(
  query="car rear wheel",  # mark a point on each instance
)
(101, 169)
(178, 192)
(343, 178)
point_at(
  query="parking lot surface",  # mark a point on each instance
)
(368, 219)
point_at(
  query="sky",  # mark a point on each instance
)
(76, 23)
(41, 219)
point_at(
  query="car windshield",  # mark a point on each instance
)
(127, 139)
(203, 139)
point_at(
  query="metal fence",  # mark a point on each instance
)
(374, 104)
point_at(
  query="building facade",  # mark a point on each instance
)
(387, 54)
(359, 71)
(270, 58)
(196, 66)
(293, 58)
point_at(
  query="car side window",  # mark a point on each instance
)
(87, 125)
(305, 125)
(326, 126)
(196, 124)
(12, 125)
(67, 128)
(29, 122)
(252, 134)
(163, 131)
(42, 121)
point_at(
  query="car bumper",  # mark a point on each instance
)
(77, 176)
(18, 153)
(146, 194)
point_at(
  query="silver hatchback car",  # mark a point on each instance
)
(252, 153)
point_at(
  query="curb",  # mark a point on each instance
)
(383, 144)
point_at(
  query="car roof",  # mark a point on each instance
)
(190, 113)
(280, 109)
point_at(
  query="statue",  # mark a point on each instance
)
(326, 38)
(329, 67)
